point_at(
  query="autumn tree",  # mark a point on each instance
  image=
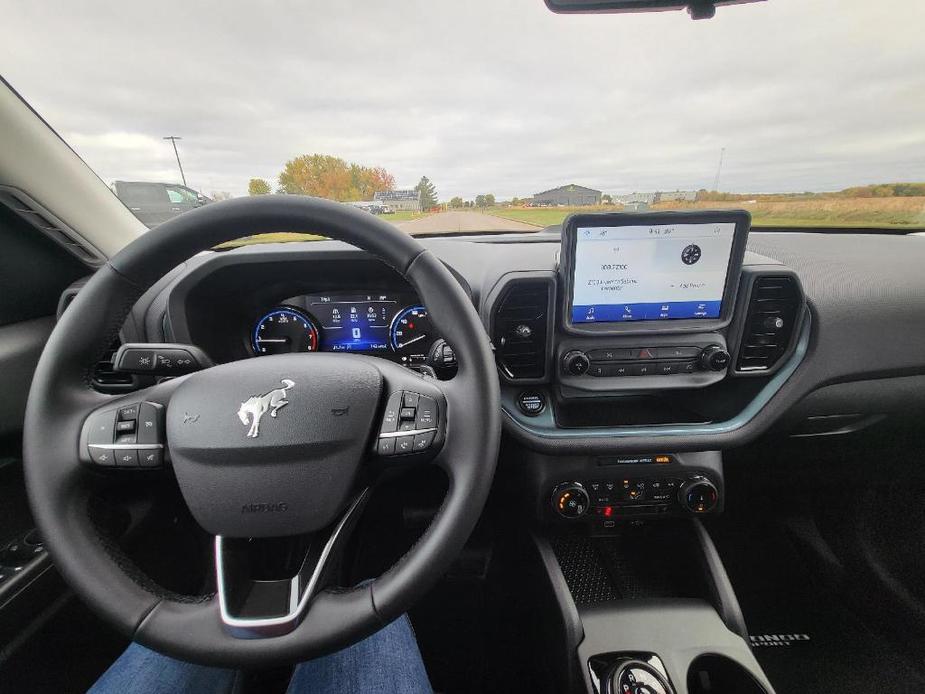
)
(258, 186)
(428, 193)
(331, 177)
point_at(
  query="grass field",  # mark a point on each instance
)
(894, 212)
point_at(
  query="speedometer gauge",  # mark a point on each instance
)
(284, 330)
(412, 331)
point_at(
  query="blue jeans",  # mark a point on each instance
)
(388, 661)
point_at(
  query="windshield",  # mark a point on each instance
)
(489, 116)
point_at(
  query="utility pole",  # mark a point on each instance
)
(718, 169)
(173, 139)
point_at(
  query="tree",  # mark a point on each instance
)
(606, 199)
(428, 193)
(456, 202)
(515, 201)
(333, 178)
(258, 186)
(489, 200)
(480, 201)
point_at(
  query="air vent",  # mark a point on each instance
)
(520, 327)
(773, 308)
(105, 378)
(43, 220)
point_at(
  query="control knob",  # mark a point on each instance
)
(570, 500)
(576, 362)
(714, 358)
(698, 495)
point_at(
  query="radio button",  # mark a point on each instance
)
(678, 352)
(610, 354)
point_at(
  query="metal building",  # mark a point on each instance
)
(571, 195)
(400, 199)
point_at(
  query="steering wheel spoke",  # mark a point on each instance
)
(127, 432)
(260, 601)
(413, 421)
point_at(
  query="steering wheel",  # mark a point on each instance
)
(320, 422)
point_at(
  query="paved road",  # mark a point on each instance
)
(463, 221)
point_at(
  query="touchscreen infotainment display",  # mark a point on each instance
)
(650, 272)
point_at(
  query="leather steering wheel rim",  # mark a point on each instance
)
(60, 487)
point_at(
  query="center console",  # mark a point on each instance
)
(625, 369)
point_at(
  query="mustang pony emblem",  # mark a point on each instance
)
(253, 409)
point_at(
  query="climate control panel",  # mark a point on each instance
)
(644, 361)
(608, 501)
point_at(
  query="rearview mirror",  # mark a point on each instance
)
(698, 9)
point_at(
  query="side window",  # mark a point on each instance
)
(181, 195)
(142, 193)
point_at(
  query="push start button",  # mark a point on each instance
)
(531, 402)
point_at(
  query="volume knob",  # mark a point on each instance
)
(576, 362)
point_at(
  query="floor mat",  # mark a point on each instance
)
(803, 637)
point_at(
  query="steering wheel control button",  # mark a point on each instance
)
(126, 427)
(390, 416)
(404, 444)
(423, 441)
(386, 446)
(153, 457)
(406, 413)
(103, 456)
(150, 423)
(410, 399)
(128, 412)
(426, 416)
(101, 427)
(126, 458)
(531, 403)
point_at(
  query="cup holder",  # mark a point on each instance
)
(717, 674)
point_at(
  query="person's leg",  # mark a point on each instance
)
(142, 671)
(388, 662)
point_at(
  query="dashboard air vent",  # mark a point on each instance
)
(43, 220)
(520, 328)
(773, 308)
(105, 378)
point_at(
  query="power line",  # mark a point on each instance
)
(173, 139)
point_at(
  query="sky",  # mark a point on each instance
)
(481, 96)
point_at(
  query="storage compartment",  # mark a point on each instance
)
(652, 560)
(717, 674)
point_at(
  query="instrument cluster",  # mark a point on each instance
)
(394, 326)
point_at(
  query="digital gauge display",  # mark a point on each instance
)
(395, 326)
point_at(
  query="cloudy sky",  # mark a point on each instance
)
(481, 96)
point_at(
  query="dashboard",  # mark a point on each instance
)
(811, 335)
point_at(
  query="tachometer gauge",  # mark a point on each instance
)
(284, 330)
(412, 331)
